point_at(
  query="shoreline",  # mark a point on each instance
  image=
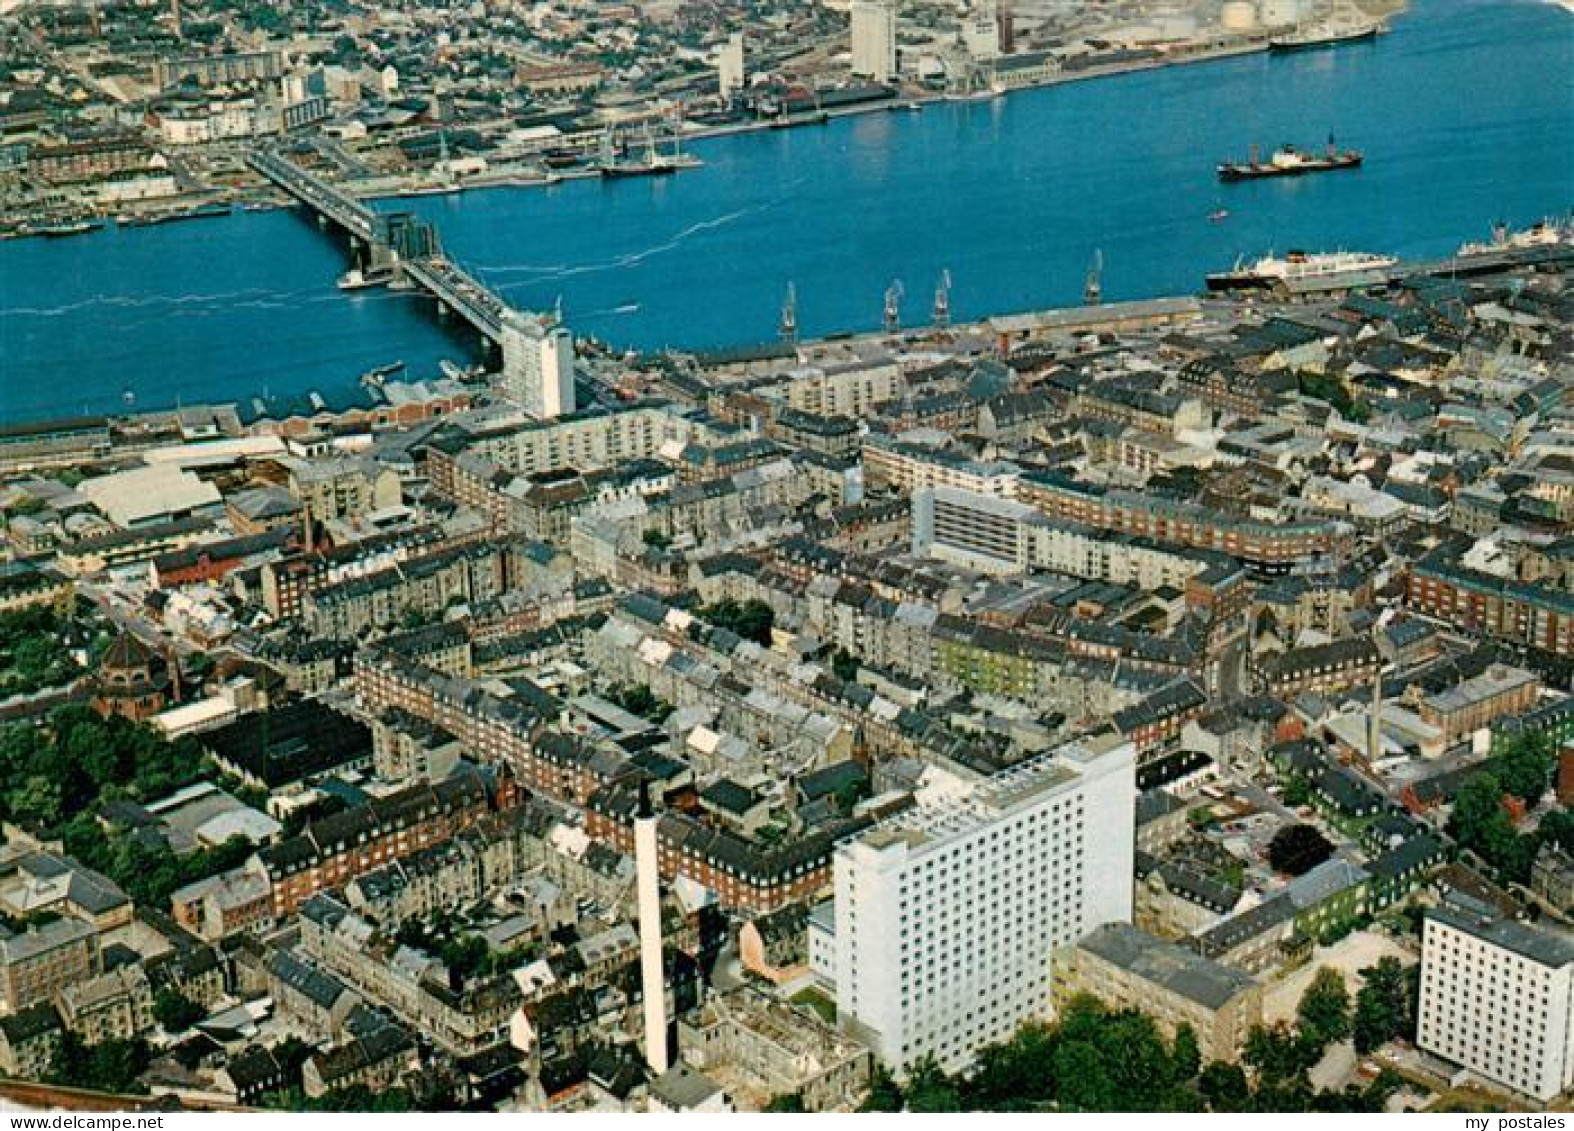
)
(1084, 318)
(530, 175)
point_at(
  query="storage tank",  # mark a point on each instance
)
(1238, 15)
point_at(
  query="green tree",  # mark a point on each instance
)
(1275, 1054)
(175, 1011)
(1525, 767)
(1324, 1011)
(929, 1089)
(112, 1065)
(751, 619)
(1084, 1083)
(786, 1102)
(1016, 1073)
(1185, 1056)
(844, 665)
(1384, 1006)
(1224, 1086)
(885, 1094)
(1297, 849)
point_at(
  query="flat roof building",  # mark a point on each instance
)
(1497, 996)
(947, 916)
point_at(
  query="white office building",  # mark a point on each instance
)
(874, 39)
(538, 364)
(1497, 996)
(947, 916)
(729, 66)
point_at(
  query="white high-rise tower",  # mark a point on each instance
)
(538, 364)
(729, 66)
(948, 914)
(874, 39)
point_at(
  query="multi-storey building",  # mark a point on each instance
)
(1497, 996)
(1127, 968)
(1001, 535)
(1495, 607)
(342, 488)
(538, 364)
(336, 849)
(39, 962)
(948, 915)
(1272, 547)
(908, 467)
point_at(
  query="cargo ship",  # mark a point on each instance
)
(1288, 161)
(1297, 266)
(652, 163)
(1547, 233)
(1311, 39)
(59, 229)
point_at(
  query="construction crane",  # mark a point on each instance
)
(1093, 289)
(942, 315)
(789, 322)
(893, 306)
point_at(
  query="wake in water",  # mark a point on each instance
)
(189, 304)
(526, 273)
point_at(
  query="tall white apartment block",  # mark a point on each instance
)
(729, 66)
(1497, 996)
(538, 364)
(947, 916)
(874, 39)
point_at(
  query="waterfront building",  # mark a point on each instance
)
(538, 364)
(947, 916)
(1497, 996)
(874, 39)
(730, 74)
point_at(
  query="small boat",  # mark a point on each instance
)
(356, 279)
(915, 107)
(1218, 216)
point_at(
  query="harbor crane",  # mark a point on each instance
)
(893, 306)
(789, 323)
(942, 313)
(1093, 289)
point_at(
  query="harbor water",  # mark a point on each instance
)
(1465, 114)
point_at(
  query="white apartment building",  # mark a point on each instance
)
(586, 440)
(1497, 996)
(538, 364)
(1002, 536)
(874, 39)
(947, 916)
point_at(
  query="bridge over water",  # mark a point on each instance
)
(396, 243)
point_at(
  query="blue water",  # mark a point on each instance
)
(1465, 113)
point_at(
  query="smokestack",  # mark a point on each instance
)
(652, 973)
(1374, 736)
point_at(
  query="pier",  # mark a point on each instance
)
(398, 244)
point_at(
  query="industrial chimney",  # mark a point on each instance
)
(652, 973)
